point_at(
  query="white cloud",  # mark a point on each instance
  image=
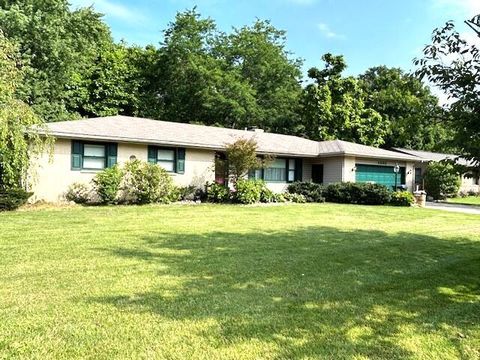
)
(112, 9)
(328, 32)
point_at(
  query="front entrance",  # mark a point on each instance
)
(221, 169)
(317, 173)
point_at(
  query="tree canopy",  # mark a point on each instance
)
(334, 107)
(408, 108)
(453, 64)
(199, 74)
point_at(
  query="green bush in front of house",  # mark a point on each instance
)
(13, 198)
(441, 180)
(79, 193)
(248, 191)
(402, 198)
(145, 183)
(137, 182)
(106, 184)
(311, 191)
(357, 193)
(217, 193)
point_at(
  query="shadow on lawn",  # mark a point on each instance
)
(316, 291)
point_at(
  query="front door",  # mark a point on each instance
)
(317, 173)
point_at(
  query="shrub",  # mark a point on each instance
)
(145, 183)
(106, 184)
(357, 193)
(311, 191)
(187, 193)
(11, 199)
(248, 191)
(79, 193)
(267, 195)
(217, 193)
(295, 198)
(402, 198)
(441, 180)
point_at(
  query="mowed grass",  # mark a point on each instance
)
(469, 200)
(230, 282)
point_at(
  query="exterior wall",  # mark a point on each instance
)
(468, 185)
(50, 179)
(333, 169)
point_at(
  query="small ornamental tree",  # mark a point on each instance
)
(441, 180)
(242, 157)
(17, 145)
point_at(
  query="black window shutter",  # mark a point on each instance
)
(77, 155)
(298, 169)
(180, 168)
(152, 154)
(111, 150)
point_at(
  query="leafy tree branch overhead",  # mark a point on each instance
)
(453, 64)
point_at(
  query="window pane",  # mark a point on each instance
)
(94, 150)
(93, 163)
(274, 174)
(166, 155)
(291, 175)
(258, 174)
(291, 164)
(167, 165)
(278, 163)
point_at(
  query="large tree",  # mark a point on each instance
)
(453, 64)
(59, 47)
(16, 145)
(333, 107)
(407, 106)
(190, 82)
(259, 53)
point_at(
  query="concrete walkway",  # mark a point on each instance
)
(466, 209)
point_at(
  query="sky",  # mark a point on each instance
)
(367, 32)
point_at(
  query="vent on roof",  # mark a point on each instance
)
(254, 129)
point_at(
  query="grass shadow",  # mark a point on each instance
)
(315, 291)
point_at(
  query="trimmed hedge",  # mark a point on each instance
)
(311, 191)
(343, 193)
(11, 199)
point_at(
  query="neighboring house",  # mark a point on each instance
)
(84, 147)
(469, 183)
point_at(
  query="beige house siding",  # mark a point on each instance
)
(332, 169)
(50, 180)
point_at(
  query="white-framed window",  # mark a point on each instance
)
(94, 156)
(166, 159)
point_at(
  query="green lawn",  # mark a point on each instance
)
(229, 282)
(469, 200)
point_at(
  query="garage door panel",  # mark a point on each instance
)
(383, 175)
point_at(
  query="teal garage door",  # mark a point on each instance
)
(379, 175)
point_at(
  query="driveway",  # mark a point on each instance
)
(466, 209)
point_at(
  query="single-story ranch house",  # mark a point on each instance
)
(188, 152)
(84, 147)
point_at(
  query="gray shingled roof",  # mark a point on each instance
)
(433, 156)
(339, 147)
(139, 130)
